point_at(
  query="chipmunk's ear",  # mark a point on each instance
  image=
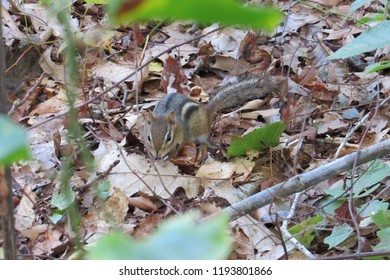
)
(148, 115)
(171, 118)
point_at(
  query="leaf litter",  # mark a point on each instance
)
(328, 96)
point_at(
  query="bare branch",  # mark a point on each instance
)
(305, 181)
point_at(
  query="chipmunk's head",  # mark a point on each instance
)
(162, 135)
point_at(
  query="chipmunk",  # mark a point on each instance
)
(177, 119)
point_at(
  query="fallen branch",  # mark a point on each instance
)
(305, 181)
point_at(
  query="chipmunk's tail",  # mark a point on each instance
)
(237, 93)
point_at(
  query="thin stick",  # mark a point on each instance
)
(19, 102)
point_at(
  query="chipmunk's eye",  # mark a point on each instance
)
(149, 138)
(168, 137)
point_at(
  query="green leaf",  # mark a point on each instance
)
(56, 216)
(382, 219)
(357, 4)
(372, 206)
(113, 246)
(339, 235)
(63, 197)
(102, 191)
(384, 245)
(329, 204)
(179, 238)
(202, 11)
(304, 232)
(259, 139)
(377, 171)
(366, 183)
(13, 145)
(371, 39)
(96, 2)
(368, 209)
(377, 66)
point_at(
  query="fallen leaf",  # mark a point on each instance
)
(162, 181)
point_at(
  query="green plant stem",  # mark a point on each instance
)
(331, 12)
(74, 130)
(154, 30)
(6, 196)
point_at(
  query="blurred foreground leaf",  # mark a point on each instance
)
(13, 144)
(202, 11)
(179, 238)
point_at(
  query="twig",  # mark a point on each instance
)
(305, 181)
(14, 6)
(349, 134)
(332, 12)
(351, 206)
(289, 236)
(19, 102)
(357, 255)
(100, 176)
(357, 125)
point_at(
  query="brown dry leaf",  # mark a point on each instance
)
(258, 243)
(329, 123)
(225, 41)
(143, 203)
(30, 172)
(325, 94)
(183, 52)
(94, 226)
(177, 36)
(341, 33)
(329, 3)
(218, 176)
(225, 170)
(41, 20)
(268, 214)
(231, 65)
(25, 213)
(33, 232)
(173, 78)
(343, 215)
(56, 104)
(298, 19)
(116, 206)
(52, 241)
(43, 155)
(11, 30)
(226, 123)
(242, 247)
(252, 53)
(56, 71)
(117, 71)
(252, 105)
(163, 184)
(209, 208)
(266, 114)
(148, 225)
(187, 156)
(297, 255)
